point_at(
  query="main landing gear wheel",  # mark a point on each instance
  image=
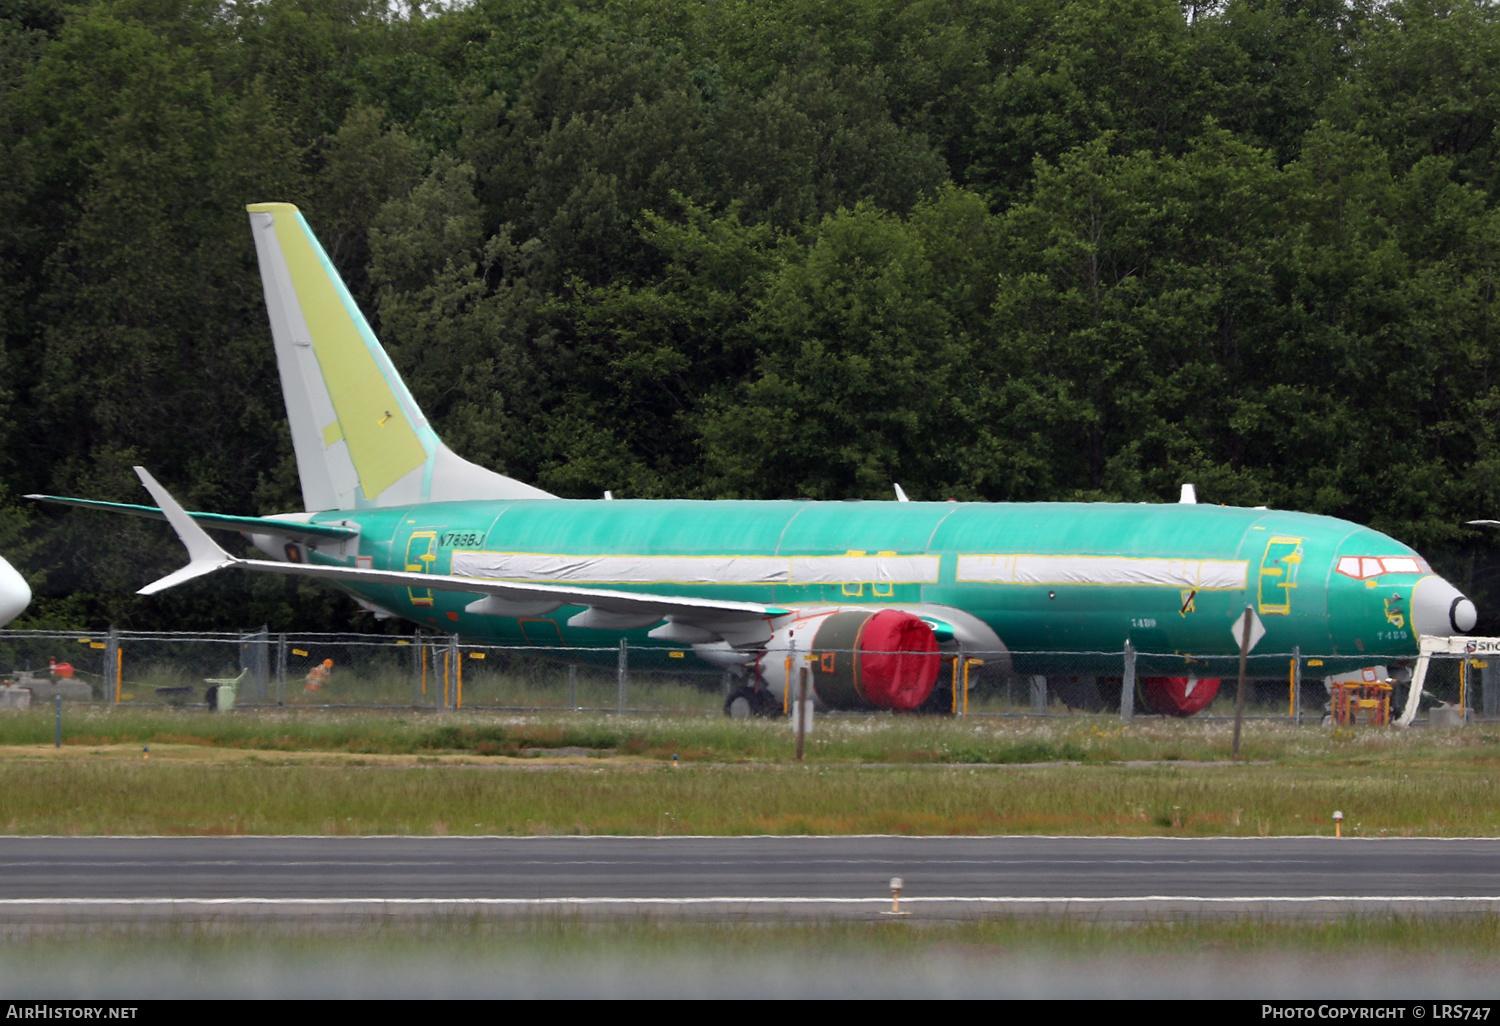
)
(744, 703)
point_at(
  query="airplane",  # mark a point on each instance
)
(15, 593)
(882, 601)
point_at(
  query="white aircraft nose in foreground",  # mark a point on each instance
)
(15, 593)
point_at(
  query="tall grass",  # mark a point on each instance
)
(564, 935)
(875, 738)
(260, 795)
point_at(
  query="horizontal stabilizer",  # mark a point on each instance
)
(187, 573)
(213, 521)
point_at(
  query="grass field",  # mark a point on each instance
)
(405, 773)
(1357, 957)
(837, 739)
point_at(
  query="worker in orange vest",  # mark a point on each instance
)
(318, 675)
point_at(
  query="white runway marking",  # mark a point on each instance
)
(880, 901)
(677, 864)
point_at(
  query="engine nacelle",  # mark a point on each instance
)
(860, 658)
(1179, 696)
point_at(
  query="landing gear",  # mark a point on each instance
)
(744, 703)
(940, 702)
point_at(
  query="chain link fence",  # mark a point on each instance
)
(421, 671)
(434, 671)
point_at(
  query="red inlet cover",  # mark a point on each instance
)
(1170, 695)
(898, 660)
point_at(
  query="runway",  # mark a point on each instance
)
(713, 876)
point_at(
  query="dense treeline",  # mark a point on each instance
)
(991, 249)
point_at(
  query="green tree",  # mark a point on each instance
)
(856, 372)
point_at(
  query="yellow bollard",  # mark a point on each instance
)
(968, 664)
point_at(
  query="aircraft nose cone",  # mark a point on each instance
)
(15, 593)
(1440, 609)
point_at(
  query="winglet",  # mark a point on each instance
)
(204, 554)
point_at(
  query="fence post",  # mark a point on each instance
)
(281, 669)
(263, 661)
(1127, 685)
(450, 678)
(110, 679)
(1239, 695)
(1489, 688)
(1039, 695)
(417, 666)
(247, 662)
(623, 674)
(253, 659)
(573, 686)
(1297, 685)
(801, 711)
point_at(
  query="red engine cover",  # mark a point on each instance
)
(874, 659)
(898, 660)
(1171, 697)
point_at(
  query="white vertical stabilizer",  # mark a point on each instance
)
(360, 438)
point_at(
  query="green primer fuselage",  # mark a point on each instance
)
(1289, 576)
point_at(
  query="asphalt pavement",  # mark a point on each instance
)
(718, 873)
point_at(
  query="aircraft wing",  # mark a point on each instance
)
(688, 620)
(213, 521)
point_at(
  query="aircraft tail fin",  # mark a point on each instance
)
(360, 438)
